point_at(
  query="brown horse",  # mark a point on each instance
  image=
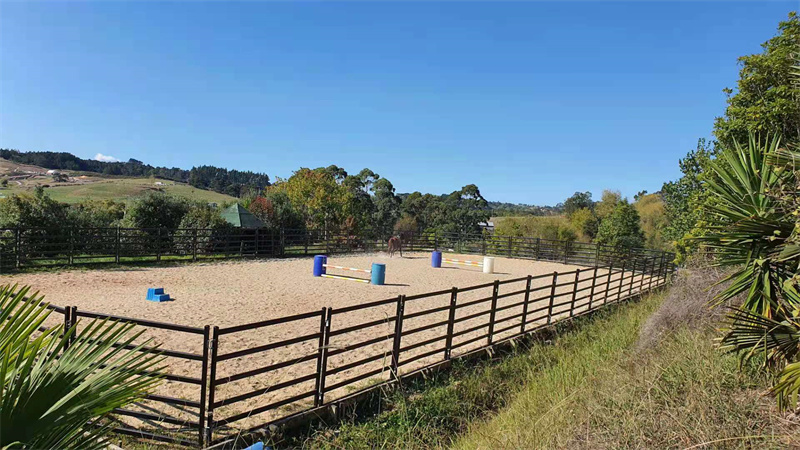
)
(395, 245)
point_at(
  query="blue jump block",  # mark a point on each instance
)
(153, 292)
(161, 298)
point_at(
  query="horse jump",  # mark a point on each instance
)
(377, 273)
(487, 264)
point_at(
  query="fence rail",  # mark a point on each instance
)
(23, 248)
(321, 356)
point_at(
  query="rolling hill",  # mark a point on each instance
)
(76, 186)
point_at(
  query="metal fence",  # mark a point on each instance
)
(310, 359)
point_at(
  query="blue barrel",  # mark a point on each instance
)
(436, 259)
(378, 274)
(319, 265)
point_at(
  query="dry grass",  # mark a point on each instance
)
(689, 303)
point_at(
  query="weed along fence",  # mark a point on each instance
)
(23, 248)
(302, 363)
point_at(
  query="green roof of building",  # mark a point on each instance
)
(240, 217)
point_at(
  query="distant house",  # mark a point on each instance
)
(53, 172)
(240, 217)
(488, 226)
(159, 183)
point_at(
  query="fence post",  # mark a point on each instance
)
(322, 356)
(633, 276)
(73, 322)
(525, 304)
(607, 293)
(71, 244)
(591, 291)
(537, 255)
(398, 334)
(204, 386)
(436, 240)
(212, 384)
(510, 248)
(194, 244)
(552, 298)
(596, 255)
(574, 293)
(17, 248)
(621, 279)
(493, 311)
(308, 237)
(158, 245)
(566, 251)
(118, 244)
(448, 345)
(67, 324)
(661, 270)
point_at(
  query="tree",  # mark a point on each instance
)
(607, 204)
(684, 199)
(464, 210)
(317, 196)
(585, 222)
(579, 200)
(653, 218)
(387, 207)
(766, 99)
(621, 228)
(155, 210)
(50, 391)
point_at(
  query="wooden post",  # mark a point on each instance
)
(212, 384)
(510, 247)
(552, 298)
(398, 334)
(18, 248)
(596, 255)
(118, 245)
(621, 278)
(633, 276)
(67, 324)
(448, 345)
(493, 311)
(591, 291)
(537, 255)
(525, 304)
(607, 293)
(204, 386)
(574, 293)
(158, 245)
(71, 244)
(322, 355)
(566, 251)
(194, 244)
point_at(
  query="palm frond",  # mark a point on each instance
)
(51, 391)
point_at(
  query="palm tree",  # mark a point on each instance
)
(59, 388)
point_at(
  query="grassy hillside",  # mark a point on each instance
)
(83, 185)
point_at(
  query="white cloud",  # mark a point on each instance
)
(105, 158)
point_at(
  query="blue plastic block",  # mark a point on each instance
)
(162, 297)
(256, 446)
(152, 292)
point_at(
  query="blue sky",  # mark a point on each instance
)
(531, 101)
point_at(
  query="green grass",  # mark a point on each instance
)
(591, 389)
(121, 189)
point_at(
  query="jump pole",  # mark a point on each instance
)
(377, 273)
(487, 264)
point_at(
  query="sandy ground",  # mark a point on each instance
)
(234, 293)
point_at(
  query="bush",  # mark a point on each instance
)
(621, 228)
(155, 210)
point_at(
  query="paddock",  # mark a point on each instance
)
(230, 294)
